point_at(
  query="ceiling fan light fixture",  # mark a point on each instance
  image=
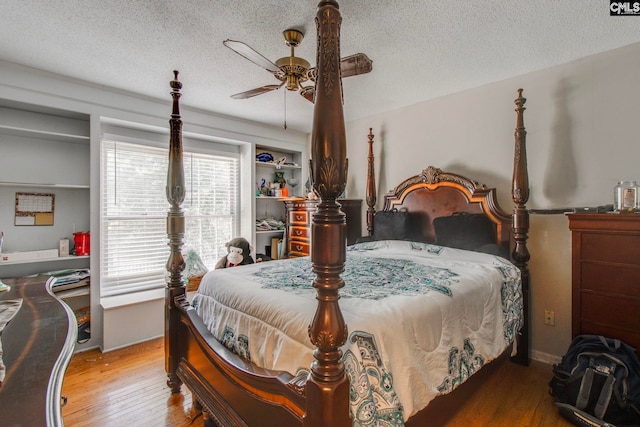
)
(294, 69)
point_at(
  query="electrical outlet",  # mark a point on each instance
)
(549, 318)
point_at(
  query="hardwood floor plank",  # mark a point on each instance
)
(128, 387)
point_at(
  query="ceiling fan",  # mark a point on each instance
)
(291, 70)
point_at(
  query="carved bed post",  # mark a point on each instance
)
(175, 191)
(520, 196)
(327, 388)
(371, 186)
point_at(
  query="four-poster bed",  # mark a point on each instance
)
(218, 367)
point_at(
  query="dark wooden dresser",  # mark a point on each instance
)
(298, 223)
(606, 275)
(37, 345)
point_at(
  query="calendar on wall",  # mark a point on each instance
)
(34, 208)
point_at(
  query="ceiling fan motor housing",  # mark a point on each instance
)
(295, 70)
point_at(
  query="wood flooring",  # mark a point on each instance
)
(127, 387)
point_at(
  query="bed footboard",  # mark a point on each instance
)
(231, 390)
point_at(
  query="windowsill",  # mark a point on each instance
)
(118, 301)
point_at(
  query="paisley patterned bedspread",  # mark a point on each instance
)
(422, 319)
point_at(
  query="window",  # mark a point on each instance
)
(134, 248)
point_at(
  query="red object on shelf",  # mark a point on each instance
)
(82, 242)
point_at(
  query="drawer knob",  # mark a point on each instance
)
(299, 217)
(298, 247)
(298, 233)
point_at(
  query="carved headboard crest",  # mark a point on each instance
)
(433, 175)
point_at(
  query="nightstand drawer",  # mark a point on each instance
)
(297, 248)
(302, 233)
(299, 217)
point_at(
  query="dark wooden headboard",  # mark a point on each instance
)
(434, 193)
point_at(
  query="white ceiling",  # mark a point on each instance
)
(421, 49)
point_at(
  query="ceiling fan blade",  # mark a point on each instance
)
(308, 92)
(352, 65)
(252, 55)
(257, 91)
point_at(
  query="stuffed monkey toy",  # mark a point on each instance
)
(238, 253)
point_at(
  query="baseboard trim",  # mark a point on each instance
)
(550, 359)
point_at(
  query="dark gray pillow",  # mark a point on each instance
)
(391, 225)
(494, 249)
(464, 231)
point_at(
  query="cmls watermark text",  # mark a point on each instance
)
(620, 8)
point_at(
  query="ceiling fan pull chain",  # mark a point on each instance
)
(285, 110)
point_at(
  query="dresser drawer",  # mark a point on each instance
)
(299, 217)
(611, 278)
(618, 248)
(610, 310)
(298, 248)
(299, 233)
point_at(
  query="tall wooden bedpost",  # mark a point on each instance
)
(327, 388)
(371, 185)
(175, 190)
(520, 196)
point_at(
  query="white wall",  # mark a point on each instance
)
(27, 85)
(581, 134)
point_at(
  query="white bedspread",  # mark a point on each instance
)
(421, 318)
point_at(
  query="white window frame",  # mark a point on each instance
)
(124, 272)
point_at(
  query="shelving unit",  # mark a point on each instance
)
(272, 206)
(45, 150)
(66, 259)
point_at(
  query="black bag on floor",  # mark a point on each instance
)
(597, 383)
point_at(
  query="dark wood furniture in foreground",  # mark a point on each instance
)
(37, 344)
(605, 275)
(298, 225)
(510, 394)
(235, 392)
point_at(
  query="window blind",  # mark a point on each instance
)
(134, 240)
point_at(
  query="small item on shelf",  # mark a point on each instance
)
(63, 248)
(264, 157)
(82, 242)
(293, 182)
(280, 161)
(269, 224)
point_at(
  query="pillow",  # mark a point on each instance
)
(494, 249)
(391, 225)
(464, 231)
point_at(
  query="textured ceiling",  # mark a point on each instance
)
(421, 49)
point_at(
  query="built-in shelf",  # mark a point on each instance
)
(35, 184)
(276, 166)
(269, 231)
(72, 293)
(56, 259)
(52, 136)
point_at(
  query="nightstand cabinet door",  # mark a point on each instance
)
(606, 275)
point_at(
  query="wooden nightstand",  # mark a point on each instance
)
(298, 227)
(606, 275)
